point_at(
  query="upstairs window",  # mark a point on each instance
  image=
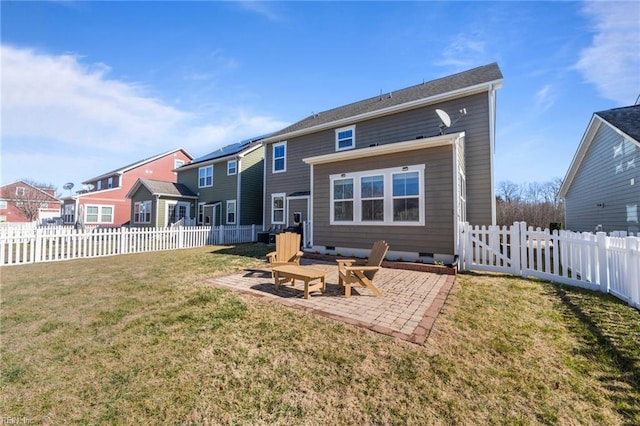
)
(177, 163)
(280, 157)
(205, 176)
(345, 138)
(99, 185)
(20, 191)
(3, 204)
(232, 167)
(110, 183)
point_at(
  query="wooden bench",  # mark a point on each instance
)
(290, 273)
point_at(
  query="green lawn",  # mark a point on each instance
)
(140, 339)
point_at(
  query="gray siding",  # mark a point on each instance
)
(251, 186)
(437, 234)
(143, 194)
(605, 177)
(400, 127)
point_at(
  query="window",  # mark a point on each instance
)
(99, 214)
(231, 211)
(3, 204)
(69, 213)
(205, 176)
(372, 198)
(343, 200)
(393, 196)
(110, 183)
(279, 157)
(142, 212)
(177, 163)
(20, 191)
(406, 197)
(345, 138)
(99, 185)
(232, 167)
(277, 208)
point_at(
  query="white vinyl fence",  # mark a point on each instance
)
(22, 245)
(592, 261)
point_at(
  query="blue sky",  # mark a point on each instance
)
(88, 87)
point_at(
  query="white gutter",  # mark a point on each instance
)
(385, 149)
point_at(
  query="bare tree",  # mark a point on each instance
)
(536, 203)
(30, 198)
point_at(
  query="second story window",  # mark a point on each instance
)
(110, 183)
(345, 138)
(280, 157)
(205, 176)
(232, 167)
(20, 191)
(99, 185)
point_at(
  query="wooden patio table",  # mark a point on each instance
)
(291, 273)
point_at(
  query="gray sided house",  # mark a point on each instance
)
(228, 183)
(386, 168)
(602, 186)
(156, 203)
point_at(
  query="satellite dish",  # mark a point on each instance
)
(88, 187)
(68, 185)
(446, 120)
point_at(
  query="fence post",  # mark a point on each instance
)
(221, 236)
(603, 267)
(514, 248)
(254, 235)
(38, 244)
(462, 229)
(522, 241)
(180, 236)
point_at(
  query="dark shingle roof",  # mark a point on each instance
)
(159, 187)
(232, 149)
(626, 119)
(470, 78)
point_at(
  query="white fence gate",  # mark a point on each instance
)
(23, 245)
(596, 262)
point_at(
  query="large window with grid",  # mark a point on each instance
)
(393, 196)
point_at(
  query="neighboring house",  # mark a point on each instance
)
(602, 186)
(228, 183)
(381, 169)
(105, 201)
(159, 204)
(23, 202)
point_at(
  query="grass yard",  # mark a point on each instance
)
(139, 339)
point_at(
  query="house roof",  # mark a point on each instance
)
(139, 163)
(625, 120)
(233, 149)
(4, 194)
(162, 188)
(410, 97)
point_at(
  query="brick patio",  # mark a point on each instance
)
(407, 310)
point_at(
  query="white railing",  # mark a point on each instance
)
(592, 261)
(64, 243)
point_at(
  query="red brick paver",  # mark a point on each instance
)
(408, 308)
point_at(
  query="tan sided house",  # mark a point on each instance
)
(390, 168)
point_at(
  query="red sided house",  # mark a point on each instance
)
(104, 201)
(23, 202)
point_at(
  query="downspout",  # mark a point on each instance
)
(310, 215)
(264, 190)
(238, 192)
(492, 147)
(456, 197)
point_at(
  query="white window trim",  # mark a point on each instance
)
(100, 207)
(273, 159)
(205, 178)
(235, 167)
(3, 204)
(388, 196)
(284, 207)
(200, 218)
(21, 191)
(353, 138)
(134, 211)
(235, 215)
(177, 163)
(110, 182)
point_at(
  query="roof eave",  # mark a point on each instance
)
(466, 91)
(432, 142)
(589, 134)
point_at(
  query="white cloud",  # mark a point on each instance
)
(61, 117)
(544, 98)
(263, 8)
(612, 62)
(463, 52)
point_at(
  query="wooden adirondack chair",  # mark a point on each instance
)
(351, 272)
(287, 250)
